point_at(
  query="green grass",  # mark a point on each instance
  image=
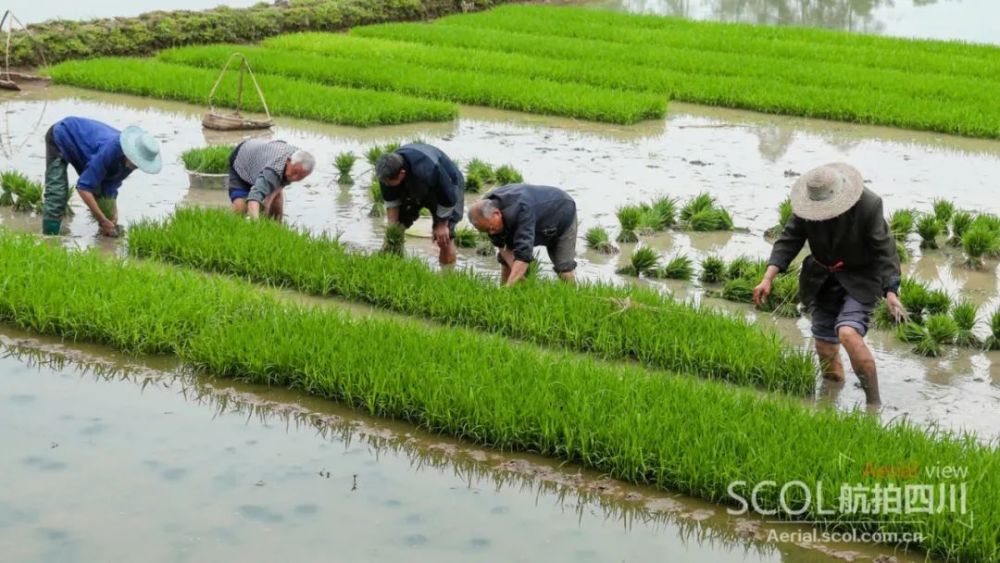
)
(901, 83)
(673, 432)
(588, 318)
(285, 97)
(532, 95)
(208, 160)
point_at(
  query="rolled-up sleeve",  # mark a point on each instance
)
(524, 234)
(789, 244)
(884, 248)
(264, 185)
(98, 168)
(446, 192)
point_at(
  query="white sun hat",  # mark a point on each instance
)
(142, 149)
(827, 191)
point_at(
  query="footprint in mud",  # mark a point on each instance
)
(43, 464)
(415, 539)
(260, 514)
(21, 399)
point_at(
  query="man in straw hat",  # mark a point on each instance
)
(103, 157)
(259, 171)
(853, 264)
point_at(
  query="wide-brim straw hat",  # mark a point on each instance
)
(827, 191)
(142, 149)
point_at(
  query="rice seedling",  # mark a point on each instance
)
(664, 210)
(992, 343)
(986, 220)
(285, 96)
(107, 206)
(939, 330)
(25, 193)
(644, 261)
(395, 240)
(784, 215)
(512, 92)
(6, 197)
(629, 217)
(679, 267)
(881, 317)
(915, 297)
(378, 204)
(507, 174)
(938, 302)
(979, 241)
(739, 290)
(702, 214)
(213, 159)
(627, 422)
(466, 237)
(742, 267)
(479, 175)
(901, 223)
(785, 294)
(943, 210)
(373, 153)
(713, 269)
(727, 65)
(653, 328)
(599, 241)
(964, 314)
(345, 162)
(930, 228)
(960, 223)
(902, 252)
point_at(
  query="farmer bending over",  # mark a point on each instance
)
(519, 217)
(103, 157)
(419, 176)
(853, 264)
(259, 170)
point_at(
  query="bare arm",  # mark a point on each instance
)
(107, 224)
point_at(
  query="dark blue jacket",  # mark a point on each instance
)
(95, 151)
(532, 216)
(432, 181)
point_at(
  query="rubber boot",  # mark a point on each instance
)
(51, 226)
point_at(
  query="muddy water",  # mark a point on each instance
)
(116, 457)
(965, 20)
(746, 160)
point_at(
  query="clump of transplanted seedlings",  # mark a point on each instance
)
(599, 240)
(344, 163)
(644, 261)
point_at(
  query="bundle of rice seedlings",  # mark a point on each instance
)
(943, 210)
(911, 333)
(713, 269)
(107, 206)
(784, 215)
(679, 267)
(373, 153)
(960, 222)
(938, 302)
(993, 342)
(701, 202)
(466, 237)
(478, 175)
(484, 246)
(914, 297)
(881, 317)
(599, 241)
(395, 239)
(25, 194)
(715, 219)
(979, 241)
(785, 294)
(929, 227)
(644, 260)
(940, 330)
(212, 159)
(964, 314)
(739, 290)
(665, 211)
(902, 252)
(507, 174)
(344, 163)
(378, 204)
(901, 223)
(6, 198)
(534, 268)
(629, 218)
(742, 267)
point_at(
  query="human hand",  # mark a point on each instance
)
(761, 292)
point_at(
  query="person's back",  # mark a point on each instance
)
(78, 138)
(551, 210)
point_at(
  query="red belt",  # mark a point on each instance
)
(835, 268)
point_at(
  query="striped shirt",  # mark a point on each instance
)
(261, 163)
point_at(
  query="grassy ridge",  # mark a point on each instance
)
(609, 322)
(285, 97)
(465, 86)
(212, 159)
(769, 80)
(673, 432)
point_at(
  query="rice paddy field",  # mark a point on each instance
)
(288, 379)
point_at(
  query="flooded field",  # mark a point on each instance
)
(966, 20)
(113, 458)
(746, 160)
